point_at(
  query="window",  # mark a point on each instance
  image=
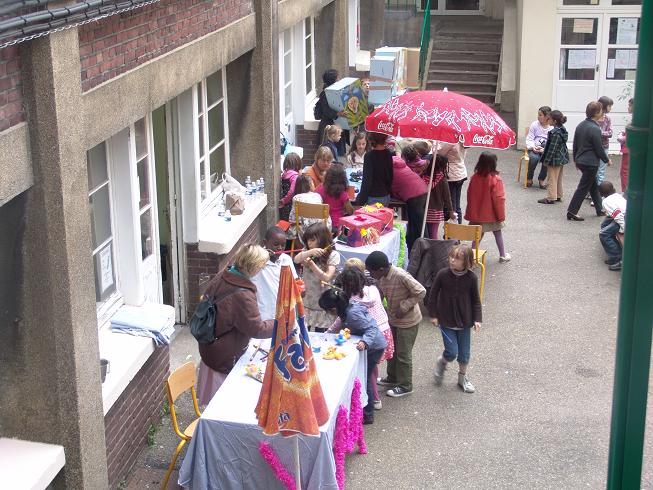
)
(309, 56)
(623, 39)
(578, 53)
(102, 240)
(145, 188)
(213, 134)
(287, 72)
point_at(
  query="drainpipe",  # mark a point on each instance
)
(631, 377)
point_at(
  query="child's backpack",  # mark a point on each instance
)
(317, 111)
(202, 325)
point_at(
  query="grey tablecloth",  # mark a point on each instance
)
(224, 454)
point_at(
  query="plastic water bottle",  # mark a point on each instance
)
(248, 181)
(262, 186)
(227, 215)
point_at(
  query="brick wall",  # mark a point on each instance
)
(129, 419)
(121, 42)
(306, 139)
(11, 90)
(198, 263)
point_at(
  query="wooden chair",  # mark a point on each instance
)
(471, 233)
(180, 381)
(524, 159)
(308, 210)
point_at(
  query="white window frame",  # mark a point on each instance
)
(286, 49)
(600, 4)
(309, 58)
(151, 205)
(203, 163)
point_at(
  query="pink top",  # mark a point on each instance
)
(371, 299)
(291, 175)
(336, 204)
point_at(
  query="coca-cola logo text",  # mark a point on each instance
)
(483, 140)
(386, 126)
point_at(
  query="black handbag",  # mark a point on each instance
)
(202, 324)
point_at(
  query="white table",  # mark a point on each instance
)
(29, 465)
(389, 244)
(224, 451)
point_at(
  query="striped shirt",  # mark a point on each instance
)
(403, 293)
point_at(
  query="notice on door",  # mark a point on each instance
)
(627, 30)
(584, 26)
(626, 59)
(581, 58)
(106, 269)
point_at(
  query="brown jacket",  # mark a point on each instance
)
(237, 321)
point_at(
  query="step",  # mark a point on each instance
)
(486, 97)
(464, 65)
(462, 87)
(463, 75)
(469, 35)
(457, 54)
(467, 45)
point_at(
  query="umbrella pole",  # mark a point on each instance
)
(298, 476)
(428, 191)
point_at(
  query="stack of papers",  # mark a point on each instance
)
(152, 320)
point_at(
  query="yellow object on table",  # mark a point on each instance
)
(333, 353)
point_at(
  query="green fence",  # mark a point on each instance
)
(425, 41)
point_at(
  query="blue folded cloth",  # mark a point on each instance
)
(152, 320)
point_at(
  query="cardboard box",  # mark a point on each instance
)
(382, 79)
(412, 68)
(357, 226)
(347, 95)
(384, 215)
(400, 63)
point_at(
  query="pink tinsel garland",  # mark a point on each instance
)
(279, 470)
(340, 445)
(356, 431)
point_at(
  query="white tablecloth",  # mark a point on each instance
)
(224, 454)
(389, 244)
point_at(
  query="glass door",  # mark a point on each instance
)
(456, 7)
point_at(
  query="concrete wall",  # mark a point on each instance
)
(509, 57)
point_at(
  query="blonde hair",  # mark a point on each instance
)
(250, 259)
(355, 262)
(331, 130)
(323, 153)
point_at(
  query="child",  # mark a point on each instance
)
(456, 173)
(535, 141)
(357, 151)
(411, 156)
(303, 193)
(377, 173)
(319, 262)
(486, 200)
(334, 193)
(292, 165)
(454, 304)
(331, 139)
(625, 154)
(555, 157)
(356, 318)
(424, 149)
(267, 280)
(409, 187)
(362, 289)
(606, 133)
(614, 206)
(440, 196)
(403, 294)
(317, 171)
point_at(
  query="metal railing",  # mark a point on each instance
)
(425, 41)
(405, 5)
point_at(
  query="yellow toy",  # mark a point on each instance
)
(333, 353)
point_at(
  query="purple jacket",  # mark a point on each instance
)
(406, 184)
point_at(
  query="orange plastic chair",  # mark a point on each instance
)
(524, 159)
(471, 233)
(180, 381)
(308, 210)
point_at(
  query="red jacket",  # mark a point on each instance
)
(406, 184)
(486, 199)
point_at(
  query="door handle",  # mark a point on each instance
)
(597, 68)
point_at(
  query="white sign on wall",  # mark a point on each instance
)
(581, 58)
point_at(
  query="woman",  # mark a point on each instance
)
(456, 172)
(588, 152)
(317, 171)
(237, 319)
(535, 141)
(555, 157)
(323, 112)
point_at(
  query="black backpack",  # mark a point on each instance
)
(202, 325)
(317, 110)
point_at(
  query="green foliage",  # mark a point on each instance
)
(151, 434)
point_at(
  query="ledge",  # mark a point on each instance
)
(15, 162)
(219, 236)
(25, 464)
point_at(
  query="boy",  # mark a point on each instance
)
(402, 293)
(267, 281)
(614, 206)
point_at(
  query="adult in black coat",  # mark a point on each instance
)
(588, 151)
(323, 112)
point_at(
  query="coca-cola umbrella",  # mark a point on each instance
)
(442, 116)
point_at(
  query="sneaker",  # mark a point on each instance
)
(385, 382)
(615, 267)
(440, 368)
(368, 419)
(611, 261)
(465, 383)
(505, 258)
(398, 392)
(378, 405)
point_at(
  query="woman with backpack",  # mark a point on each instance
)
(322, 111)
(237, 319)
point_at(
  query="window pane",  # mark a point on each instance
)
(214, 88)
(308, 53)
(579, 31)
(287, 40)
(626, 2)
(462, 4)
(287, 68)
(143, 174)
(288, 99)
(202, 180)
(624, 30)
(97, 166)
(200, 104)
(622, 64)
(309, 79)
(577, 64)
(580, 2)
(200, 130)
(141, 138)
(100, 216)
(105, 278)
(216, 125)
(146, 234)
(307, 26)
(218, 166)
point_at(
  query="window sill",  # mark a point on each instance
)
(219, 236)
(26, 464)
(310, 123)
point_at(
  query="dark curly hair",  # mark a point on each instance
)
(335, 181)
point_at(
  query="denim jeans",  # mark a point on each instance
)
(609, 228)
(457, 344)
(534, 159)
(373, 357)
(600, 175)
(385, 200)
(455, 189)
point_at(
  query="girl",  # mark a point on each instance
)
(331, 139)
(486, 200)
(356, 318)
(357, 151)
(456, 172)
(317, 171)
(440, 196)
(455, 306)
(555, 157)
(411, 156)
(377, 173)
(319, 262)
(334, 193)
(625, 154)
(424, 149)
(535, 141)
(292, 165)
(303, 193)
(606, 133)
